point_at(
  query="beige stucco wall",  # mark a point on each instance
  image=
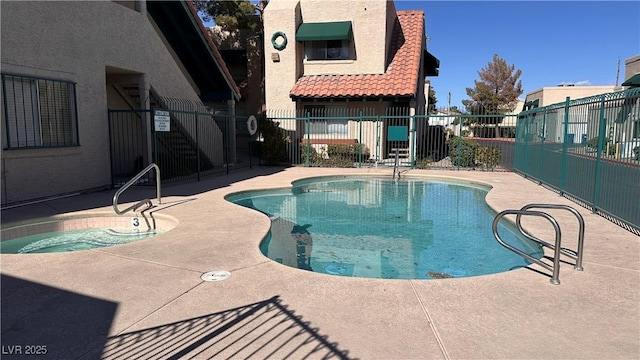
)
(370, 39)
(558, 94)
(79, 40)
(284, 16)
(631, 67)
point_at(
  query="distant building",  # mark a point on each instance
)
(632, 72)
(556, 94)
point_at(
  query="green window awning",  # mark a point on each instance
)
(339, 30)
(633, 81)
(431, 64)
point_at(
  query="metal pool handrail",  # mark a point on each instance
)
(395, 165)
(556, 253)
(576, 255)
(131, 182)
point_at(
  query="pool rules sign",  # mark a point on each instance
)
(162, 121)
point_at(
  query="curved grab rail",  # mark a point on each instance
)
(556, 255)
(577, 255)
(131, 182)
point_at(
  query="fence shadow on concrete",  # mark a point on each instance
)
(266, 329)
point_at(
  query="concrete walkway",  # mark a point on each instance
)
(146, 299)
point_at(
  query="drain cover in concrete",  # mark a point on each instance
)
(216, 275)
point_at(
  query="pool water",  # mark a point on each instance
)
(381, 228)
(71, 240)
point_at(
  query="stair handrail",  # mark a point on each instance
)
(577, 255)
(555, 269)
(131, 182)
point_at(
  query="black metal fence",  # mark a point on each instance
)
(184, 144)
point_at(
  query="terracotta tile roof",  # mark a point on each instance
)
(400, 78)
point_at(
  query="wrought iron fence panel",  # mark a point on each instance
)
(587, 149)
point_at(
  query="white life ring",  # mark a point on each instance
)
(252, 125)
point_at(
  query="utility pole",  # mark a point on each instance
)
(618, 72)
(449, 107)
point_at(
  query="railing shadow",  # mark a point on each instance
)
(266, 329)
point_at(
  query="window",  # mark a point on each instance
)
(636, 129)
(325, 121)
(39, 112)
(327, 50)
(327, 40)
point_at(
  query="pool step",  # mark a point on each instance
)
(115, 232)
(403, 153)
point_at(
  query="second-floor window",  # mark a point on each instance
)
(326, 41)
(327, 50)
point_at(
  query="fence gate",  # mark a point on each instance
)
(129, 144)
(184, 144)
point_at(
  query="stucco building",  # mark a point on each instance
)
(92, 57)
(332, 58)
(632, 72)
(618, 120)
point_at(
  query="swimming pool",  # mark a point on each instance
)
(381, 228)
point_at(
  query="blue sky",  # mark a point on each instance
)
(552, 42)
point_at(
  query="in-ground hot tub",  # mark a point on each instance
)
(80, 232)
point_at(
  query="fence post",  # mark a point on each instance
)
(360, 139)
(601, 137)
(412, 137)
(195, 113)
(152, 133)
(307, 148)
(543, 137)
(378, 154)
(565, 147)
(459, 155)
(225, 142)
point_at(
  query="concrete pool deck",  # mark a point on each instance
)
(146, 299)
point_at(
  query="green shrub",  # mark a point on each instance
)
(349, 152)
(462, 152)
(310, 155)
(337, 161)
(593, 142)
(423, 163)
(272, 149)
(488, 156)
(636, 152)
